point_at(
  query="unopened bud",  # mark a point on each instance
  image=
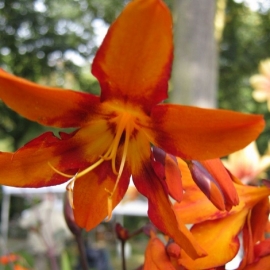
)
(207, 184)
(173, 250)
(166, 168)
(121, 232)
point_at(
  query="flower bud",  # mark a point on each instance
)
(121, 232)
(207, 184)
(173, 250)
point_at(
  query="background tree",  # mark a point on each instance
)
(194, 80)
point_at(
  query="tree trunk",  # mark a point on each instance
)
(194, 77)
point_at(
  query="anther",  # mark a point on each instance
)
(69, 189)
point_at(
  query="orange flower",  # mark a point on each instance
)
(217, 231)
(116, 129)
(13, 260)
(9, 258)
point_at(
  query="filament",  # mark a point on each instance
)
(124, 123)
(121, 168)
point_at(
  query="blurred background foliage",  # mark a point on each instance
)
(53, 43)
(245, 42)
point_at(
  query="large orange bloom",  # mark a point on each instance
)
(115, 130)
(217, 231)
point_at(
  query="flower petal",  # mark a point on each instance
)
(30, 165)
(46, 105)
(259, 219)
(202, 133)
(220, 243)
(222, 177)
(253, 231)
(187, 181)
(195, 206)
(262, 249)
(134, 61)
(156, 257)
(251, 195)
(160, 210)
(262, 263)
(166, 167)
(91, 194)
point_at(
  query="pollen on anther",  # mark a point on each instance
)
(110, 208)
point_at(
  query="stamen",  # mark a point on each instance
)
(69, 189)
(121, 168)
(119, 130)
(110, 208)
(59, 172)
(70, 185)
(111, 153)
(124, 123)
(90, 168)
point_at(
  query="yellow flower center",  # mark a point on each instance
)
(125, 125)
